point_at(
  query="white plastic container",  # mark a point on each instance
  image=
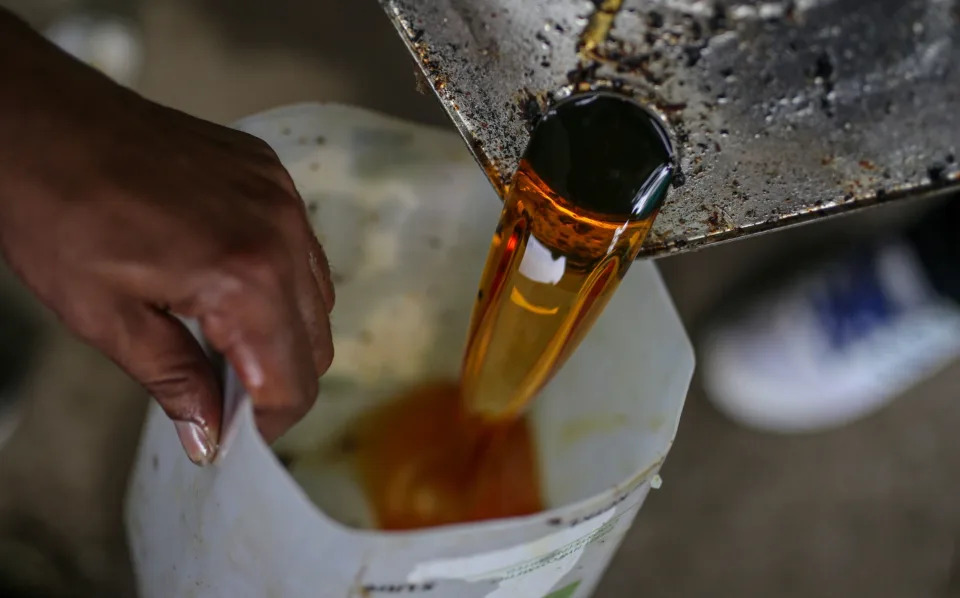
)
(406, 217)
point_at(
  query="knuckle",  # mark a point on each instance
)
(254, 146)
(324, 360)
(86, 319)
(288, 210)
(310, 395)
(180, 391)
(264, 264)
(292, 409)
(300, 408)
(263, 148)
(290, 213)
(284, 195)
(289, 186)
(266, 269)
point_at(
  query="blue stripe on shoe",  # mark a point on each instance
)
(852, 303)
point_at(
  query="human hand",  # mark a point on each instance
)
(121, 214)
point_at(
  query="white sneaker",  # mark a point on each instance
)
(834, 345)
(109, 44)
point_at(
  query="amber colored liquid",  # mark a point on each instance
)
(522, 329)
(452, 453)
(423, 463)
(448, 453)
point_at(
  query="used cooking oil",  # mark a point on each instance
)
(583, 200)
(587, 190)
(423, 462)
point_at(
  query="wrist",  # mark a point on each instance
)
(41, 80)
(23, 55)
(55, 112)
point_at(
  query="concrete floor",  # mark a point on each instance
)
(871, 509)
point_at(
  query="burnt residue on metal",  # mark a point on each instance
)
(443, 64)
(788, 98)
(822, 209)
(822, 73)
(531, 107)
(584, 75)
(936, 172)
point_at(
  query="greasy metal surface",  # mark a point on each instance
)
(782, 110)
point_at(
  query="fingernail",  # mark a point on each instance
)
(196, 442)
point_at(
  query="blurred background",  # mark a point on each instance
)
(868, 509)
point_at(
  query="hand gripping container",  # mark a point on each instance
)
(406, 217)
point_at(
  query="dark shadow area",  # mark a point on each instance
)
(353, 37)
(866, 509)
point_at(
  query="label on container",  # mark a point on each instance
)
(526, 570)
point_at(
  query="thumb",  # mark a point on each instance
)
(160, 353)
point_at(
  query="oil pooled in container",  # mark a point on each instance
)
(424, 462)
(586, 193)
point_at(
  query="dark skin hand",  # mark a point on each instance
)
(120, 214)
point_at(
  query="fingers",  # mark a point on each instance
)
(315, 293)
(259, 327)
(320, 268)
(314, 309)
(158, 351)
